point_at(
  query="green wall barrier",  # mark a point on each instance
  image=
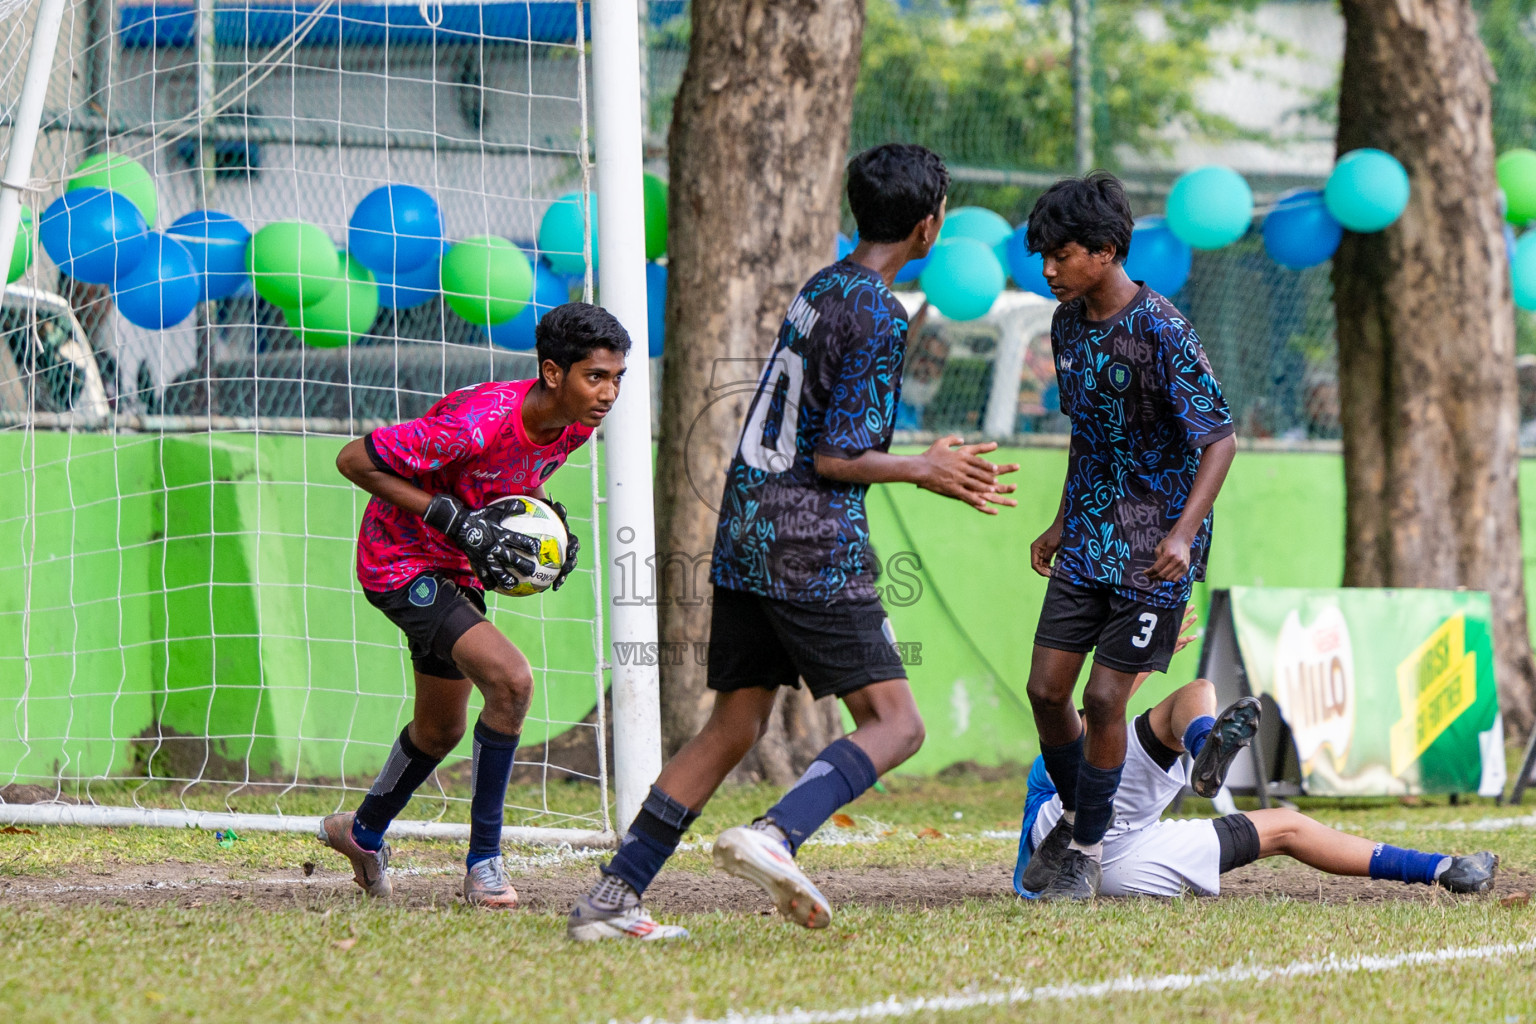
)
(205, 582)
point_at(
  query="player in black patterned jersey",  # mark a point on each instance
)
(794, 594)
(1151, 443)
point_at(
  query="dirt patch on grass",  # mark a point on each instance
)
(320, 884)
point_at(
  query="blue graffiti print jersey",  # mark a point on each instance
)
(831, 386)
(1143, 403)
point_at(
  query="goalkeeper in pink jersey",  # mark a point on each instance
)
(425, 553)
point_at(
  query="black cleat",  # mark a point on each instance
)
(1472, 873)
(1234, 729)
(1045, 863)
(1078, 879)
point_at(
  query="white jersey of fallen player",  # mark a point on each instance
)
(1144, 855)
(531, 517)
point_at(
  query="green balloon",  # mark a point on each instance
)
(486, 280)
(292, 264)
(655, 217)
(1516, 171)
(26, 244)
(121, 174)
(342, 316)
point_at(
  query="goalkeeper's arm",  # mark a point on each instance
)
(491, 549)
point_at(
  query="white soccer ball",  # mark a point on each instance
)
(532, 518)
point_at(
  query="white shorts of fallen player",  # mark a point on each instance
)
(1143, 855)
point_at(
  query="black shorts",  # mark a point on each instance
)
(433, 612)
(836, 648)
(1124, 635)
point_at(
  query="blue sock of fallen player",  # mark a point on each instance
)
(1196, 732)
(1395, 864)
(840, 773)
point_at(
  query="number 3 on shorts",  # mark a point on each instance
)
(1148, 624)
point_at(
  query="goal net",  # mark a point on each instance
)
(182, 636)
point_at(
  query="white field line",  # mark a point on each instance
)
(1129, 984)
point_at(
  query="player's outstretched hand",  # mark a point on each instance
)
(572, 546)
(957, 470)
(1188, 631)
(1043, 551)
(490, 547)
(1171, 559)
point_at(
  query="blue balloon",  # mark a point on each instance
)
(656, 306)
(396, 229)
(1367, 191)
(1157, 256)
(216, 242)
(911, 270)
(1025, 267)
(93, 235)
(163, 289)
(1210, 207)
(414, 287)
(549, 290)
(1509, 244)
(844, 245)
(1300, 232)
(963, 278)
(1523, 271)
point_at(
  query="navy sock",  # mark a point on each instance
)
(404, 772)
(838, 775)
(1396, 864)
(1062, 764)
(1196, 732)
(651, 839)
(1095, 802)
(491, 769)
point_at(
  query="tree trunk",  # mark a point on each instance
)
(1426, 330)
(758, 142)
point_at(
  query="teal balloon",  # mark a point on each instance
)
(1523, 271)
(976, 222)
(963, 278)
(1026, 268)
(562, 231)
(1210, 207)
(1367, 191)
(1158, 257)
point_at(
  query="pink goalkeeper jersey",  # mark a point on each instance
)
(472, 445)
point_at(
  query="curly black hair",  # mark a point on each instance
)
(568, 334)
(1091, 211)
(891, 188)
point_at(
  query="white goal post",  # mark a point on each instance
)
(230, 511)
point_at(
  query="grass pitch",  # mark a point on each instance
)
(160, 925)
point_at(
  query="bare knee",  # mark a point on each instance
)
(910, 732)
(1045, 695)
(1104, 703)
(508, 684)
(1278, 829)
(1202, 690)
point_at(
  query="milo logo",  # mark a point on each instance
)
(1315, 685)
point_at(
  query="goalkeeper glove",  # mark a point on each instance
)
(490, 547)
(572, 546)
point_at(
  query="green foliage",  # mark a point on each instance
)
(993, 88)
(1507, 31)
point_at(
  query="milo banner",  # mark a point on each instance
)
(1379, 692)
